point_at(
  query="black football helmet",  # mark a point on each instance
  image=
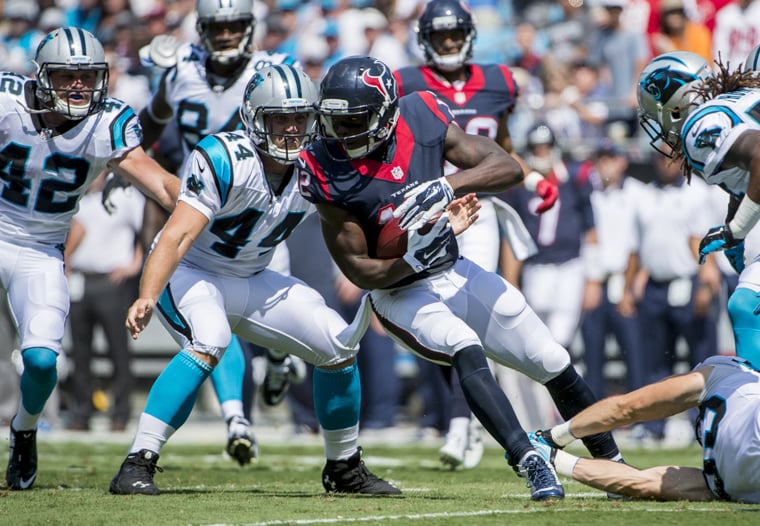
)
(446, 15)
(358, 105)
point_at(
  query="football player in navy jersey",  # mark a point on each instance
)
(380, 158)
(201, 91)
(481, 98)
(710, 123)
(57, 134)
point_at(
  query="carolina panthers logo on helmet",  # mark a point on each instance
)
(378, 77)
(663, 82)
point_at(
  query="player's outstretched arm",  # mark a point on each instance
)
(665, 483)
(651, 402)
(182, 229)
(147, 175)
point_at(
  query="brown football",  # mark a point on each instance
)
(391, 243)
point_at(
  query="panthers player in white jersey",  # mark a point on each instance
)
(711, 121)
(725, 389)
(57, 133)
(201, 91)
(208, 277)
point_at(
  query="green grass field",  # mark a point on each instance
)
(200, 486)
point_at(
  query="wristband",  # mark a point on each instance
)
(561, 434)
(531, 180)
(747, 214)
(564, 463)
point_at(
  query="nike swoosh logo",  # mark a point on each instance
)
(25, 484)
(140, 484)
(427, 255)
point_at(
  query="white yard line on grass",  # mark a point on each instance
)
(444, 515)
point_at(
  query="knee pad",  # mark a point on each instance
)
(39, 360)
(744, 311)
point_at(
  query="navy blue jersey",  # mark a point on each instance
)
(478, 104)
(559, 231)
(371, 188)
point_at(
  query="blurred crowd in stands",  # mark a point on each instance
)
(575, 63)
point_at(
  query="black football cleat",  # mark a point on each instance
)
(352, 476)
(135, 476)
(22, 461)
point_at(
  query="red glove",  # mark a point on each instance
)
(547, 191)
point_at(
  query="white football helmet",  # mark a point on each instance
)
(666, 95)
(226, 12)
(73, 49)
(281, 88)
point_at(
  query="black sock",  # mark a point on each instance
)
(489, 403)
(571, 394)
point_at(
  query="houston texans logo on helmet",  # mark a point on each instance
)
(381, 81)
(663, 82)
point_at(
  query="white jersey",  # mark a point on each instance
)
(225, 181)
(202, 107)
(728, 427)
(712, 129)
(44, 175)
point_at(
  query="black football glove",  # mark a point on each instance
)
(113, 182)
(424, 250)
(717, 238)
(423, 203)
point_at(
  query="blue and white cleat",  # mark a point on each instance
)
(541, 477)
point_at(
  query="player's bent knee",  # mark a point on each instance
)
(210, 354)
(39, 360)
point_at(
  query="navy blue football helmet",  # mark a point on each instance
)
(358, 105)
(446, 15)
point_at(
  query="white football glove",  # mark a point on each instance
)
(423, 203)
(160, 53)
(424, 250)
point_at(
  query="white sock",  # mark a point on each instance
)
(341, 443)
(151, 434)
